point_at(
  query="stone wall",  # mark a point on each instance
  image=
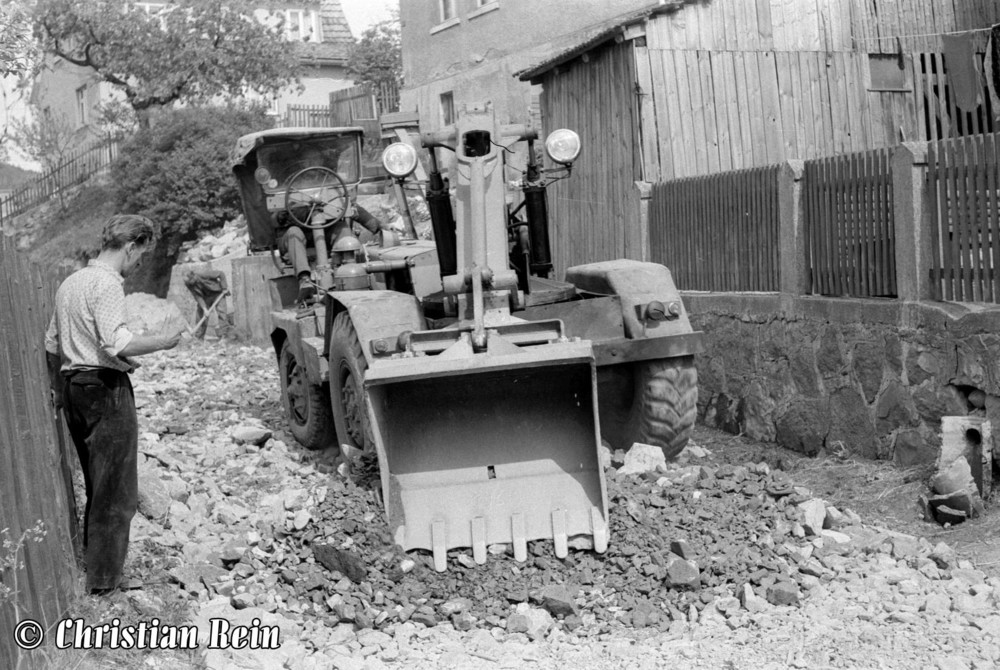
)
(875, 376)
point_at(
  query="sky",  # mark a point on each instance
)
(363, 13)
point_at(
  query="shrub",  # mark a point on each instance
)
(176, 172)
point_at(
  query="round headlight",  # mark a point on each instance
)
(262, 176)
(562, 146)
(399, 159)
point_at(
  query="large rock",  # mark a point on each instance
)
(802, 366)
(558, 600)
(681, 572)
(813, 515)
(851, 422)
(343, 561)
(911, 447)
(147, 314)
(154, 498)
(642, 458)
(829, 358)
(867, 362)
(758, 413)
(894, 409)
(921, 365)
(532, 621)
(804, 425)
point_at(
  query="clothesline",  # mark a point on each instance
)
(901, 37)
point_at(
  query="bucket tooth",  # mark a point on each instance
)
(479, 540)
(517, 534)
(600, 529)
(559, 533)
(439, 537)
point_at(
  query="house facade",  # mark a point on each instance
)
(457, 52)
(72, 94)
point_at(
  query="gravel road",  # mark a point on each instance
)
(711, 564)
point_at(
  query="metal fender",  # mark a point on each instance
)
(375, 315)
(637, 284)
(304, 342)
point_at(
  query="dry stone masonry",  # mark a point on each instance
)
(870, 377)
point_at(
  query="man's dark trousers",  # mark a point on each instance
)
(100, 412)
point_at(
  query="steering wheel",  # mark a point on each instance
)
(316, 203)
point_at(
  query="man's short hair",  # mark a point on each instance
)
(124, 228)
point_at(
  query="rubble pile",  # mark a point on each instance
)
(230, 239)
(708, 564)
(681, 538)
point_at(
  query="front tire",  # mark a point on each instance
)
(652, 402)
(347, 389)
(307, 406)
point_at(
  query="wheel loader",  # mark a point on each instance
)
(483, 385)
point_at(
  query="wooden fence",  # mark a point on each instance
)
(848, 225)
(34, 466)
(74, 169)
(718, 232)
(963, 184)
(308, 116)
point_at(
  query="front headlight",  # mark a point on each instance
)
(562, 146)
(399, 159)
(262, 176)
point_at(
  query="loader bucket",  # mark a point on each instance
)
(487, 449)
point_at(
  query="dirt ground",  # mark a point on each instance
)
(882, 493)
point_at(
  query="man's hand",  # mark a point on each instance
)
(56, 396)
(171, 340)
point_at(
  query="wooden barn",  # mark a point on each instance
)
(681, 89)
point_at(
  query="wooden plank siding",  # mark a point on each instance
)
(594, 201)
(34, 482)
(799, 86)
(718, 232)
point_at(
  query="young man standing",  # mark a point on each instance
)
(88, 348)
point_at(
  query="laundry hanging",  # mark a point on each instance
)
(963, 75)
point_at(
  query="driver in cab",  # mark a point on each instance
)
(293, 240)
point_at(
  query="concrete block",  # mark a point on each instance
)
(971, 438)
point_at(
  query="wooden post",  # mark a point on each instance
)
(252, 297)
(912, 227)
(637, 232)
(793, 279)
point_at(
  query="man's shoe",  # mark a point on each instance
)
(306, 290)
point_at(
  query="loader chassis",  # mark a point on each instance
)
(483, 385)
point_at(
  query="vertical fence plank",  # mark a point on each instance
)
(935, 220)
(984, 284)
(993, 211)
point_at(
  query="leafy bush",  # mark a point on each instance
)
(177, 173)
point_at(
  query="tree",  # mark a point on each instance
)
(177, 173)
(46, 138)
(17, 50)
(191, 51)
(18, 59)
(377, 58)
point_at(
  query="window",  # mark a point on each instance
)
(447, 108)
(81, 106)
(484, 7)
(301, 25)
(888, 72)
(151, 7)
(447, 10)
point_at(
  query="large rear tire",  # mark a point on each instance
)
(347, 389)
(307, 405)
(652, 402)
